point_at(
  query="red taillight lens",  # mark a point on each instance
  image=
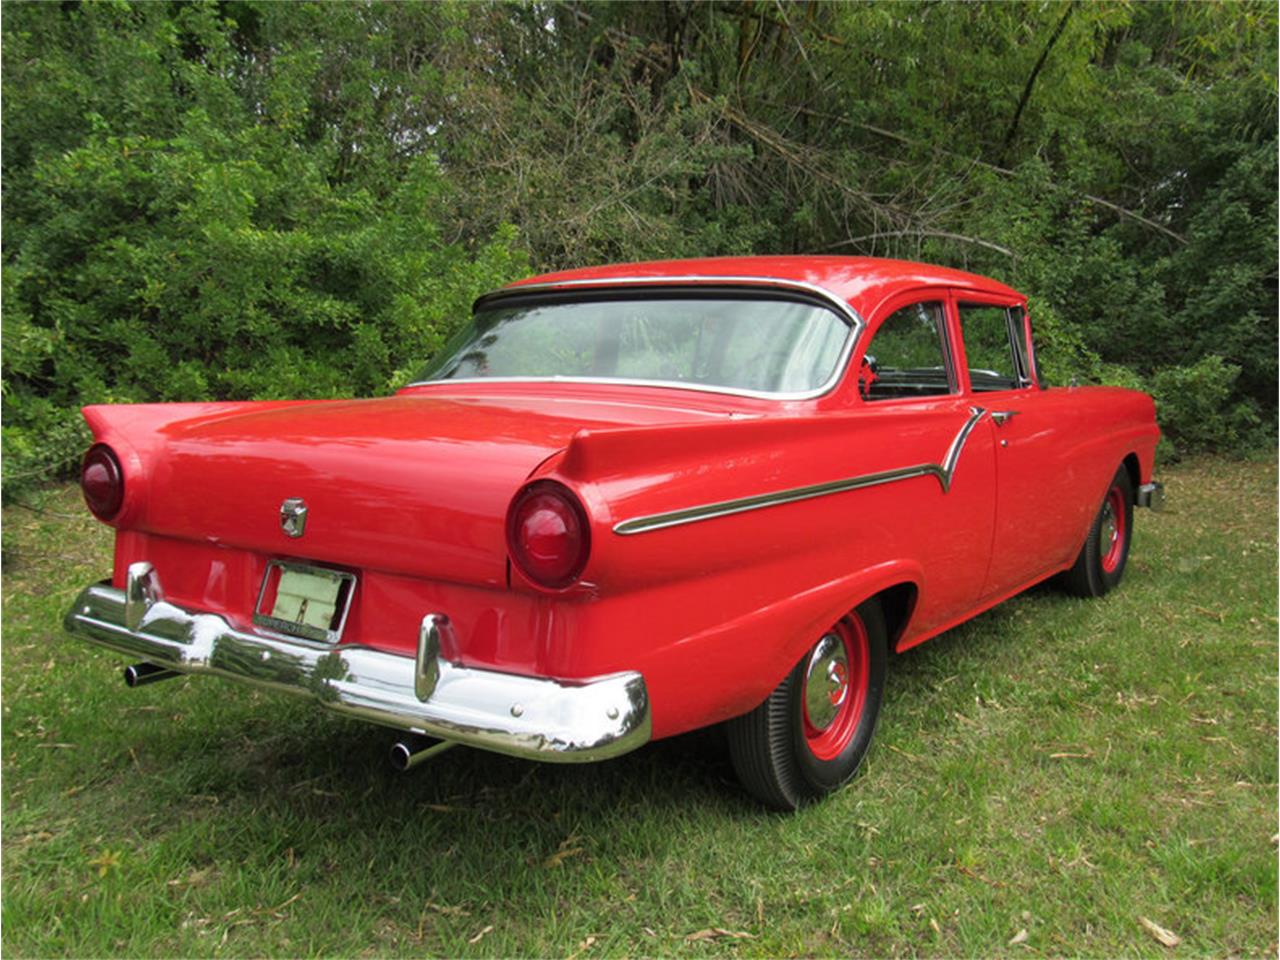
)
(548, 534)
(102, 481)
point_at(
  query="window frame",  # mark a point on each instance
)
(946, 333)
(1021, 341)
(653, 288)
(1017, 324)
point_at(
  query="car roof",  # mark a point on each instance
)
(863, 282)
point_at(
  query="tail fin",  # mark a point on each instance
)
(600, 454)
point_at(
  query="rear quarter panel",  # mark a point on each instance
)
(714, 613)
(1108, 426)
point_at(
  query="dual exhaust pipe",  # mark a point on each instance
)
(406, 753)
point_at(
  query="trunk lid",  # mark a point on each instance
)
(417, 483)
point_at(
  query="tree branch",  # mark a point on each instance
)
(1031, 82)
(942, 234)
(1003, 171)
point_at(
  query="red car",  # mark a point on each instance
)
(623, 503)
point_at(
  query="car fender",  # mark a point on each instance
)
(731, 668)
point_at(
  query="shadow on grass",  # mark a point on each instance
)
(295, 760)
(288, 777)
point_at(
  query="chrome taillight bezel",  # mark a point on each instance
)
(573, 508)
(102, 456)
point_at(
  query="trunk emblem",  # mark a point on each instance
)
(293, 516)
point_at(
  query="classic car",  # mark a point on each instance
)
(623, 503)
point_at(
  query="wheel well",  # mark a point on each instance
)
(1134, 470)
(897, 604)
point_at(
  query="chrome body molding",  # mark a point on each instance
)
(537, 718)
(841, 308)
(1150, 495)
(944, 472)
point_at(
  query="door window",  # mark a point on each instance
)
(994, 348)
(908, 356)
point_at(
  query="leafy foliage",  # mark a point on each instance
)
(249, 199)
(1197, 401)
(203, 242)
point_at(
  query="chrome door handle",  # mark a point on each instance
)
(1001, 417)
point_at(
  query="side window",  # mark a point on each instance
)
(994, 347)
(908, 356)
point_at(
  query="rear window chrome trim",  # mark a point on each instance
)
(730, 284)
(657, 384)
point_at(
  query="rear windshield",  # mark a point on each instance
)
(733, 343)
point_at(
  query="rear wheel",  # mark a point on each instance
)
(1102, 559)
(811, 733)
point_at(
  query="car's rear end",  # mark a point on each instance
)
(340, 549)
(452, 562)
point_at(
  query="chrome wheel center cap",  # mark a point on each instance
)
(1109, 532)
(837, 681)
(826, 682)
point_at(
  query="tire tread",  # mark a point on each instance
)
(759, 748)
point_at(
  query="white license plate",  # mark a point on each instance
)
(304, 601)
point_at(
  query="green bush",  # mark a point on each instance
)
(1195, 405)
(207, 250)
(1061, 351)
(1193, 409)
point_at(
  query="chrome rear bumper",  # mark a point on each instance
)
(563, 721)
(1150, 495)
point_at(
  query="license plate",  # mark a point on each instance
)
(304, 601)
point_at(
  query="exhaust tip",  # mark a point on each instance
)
(400, 756)
(407, 752)
(139, 674)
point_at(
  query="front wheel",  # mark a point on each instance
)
(1102, 559)
(812, 732)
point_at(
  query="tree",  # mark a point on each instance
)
(252, 199)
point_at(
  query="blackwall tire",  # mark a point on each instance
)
(1100, 566)
(810, 735)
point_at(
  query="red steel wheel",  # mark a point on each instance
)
(1101, 561)
(811, 733)
(834, 692)
(1111, 536)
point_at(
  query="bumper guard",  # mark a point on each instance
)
(1151, 495)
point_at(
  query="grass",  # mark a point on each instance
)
(1057, 766)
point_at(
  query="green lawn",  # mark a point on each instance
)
(1044, 777)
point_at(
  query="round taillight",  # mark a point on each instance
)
(548, 534)
(102, 481)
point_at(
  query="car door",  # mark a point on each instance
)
(911, 390)
(1037, 506)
